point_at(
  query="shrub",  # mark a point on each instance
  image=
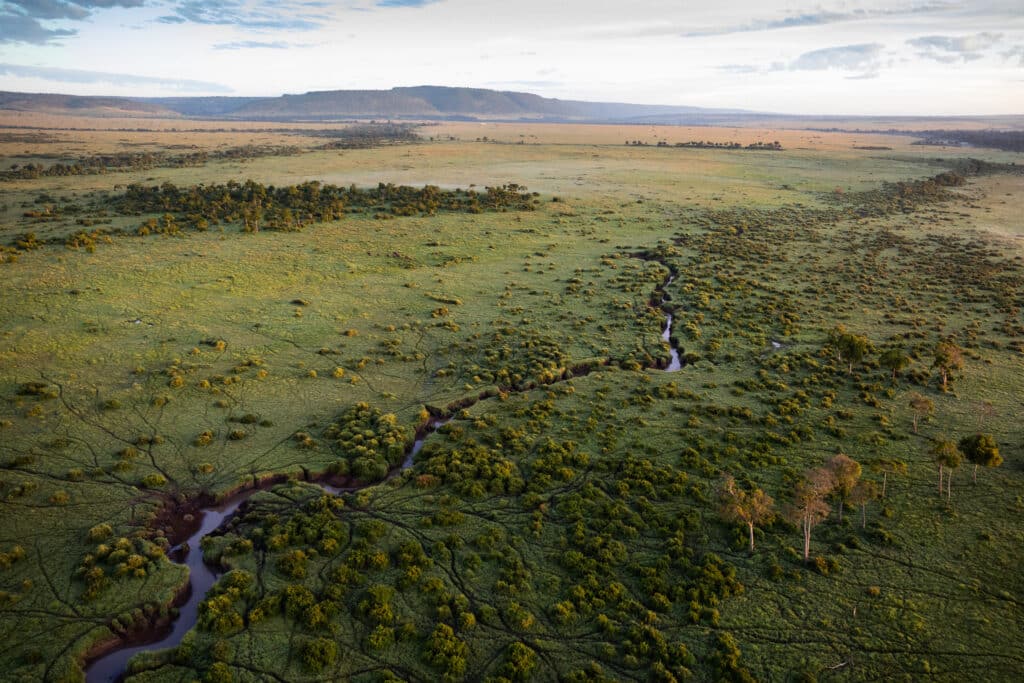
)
(154, 481)
(319, 653)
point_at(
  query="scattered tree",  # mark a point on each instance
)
(845, 471)
(861, 494)
(946, 454)
(948, 358)
(922, 407)
(894, 360)
(887, 467)
(808, 507)
(849, 347)
(752, 507)
(981, 449)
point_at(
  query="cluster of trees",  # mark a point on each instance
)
(140, 161)
(367, 135)
(1009, 140)
(287, 208)
(838, 480)
(369, 441)
(701, 144)
(852, 349)
(979, 449)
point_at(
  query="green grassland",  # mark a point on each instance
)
(564, 526)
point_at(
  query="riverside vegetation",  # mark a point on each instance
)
(850, 330)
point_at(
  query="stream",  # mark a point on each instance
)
(111, 667)
(675, 363)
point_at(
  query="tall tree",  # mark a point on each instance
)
(981, 449)
(945, 454)
(863, 493)
(854, 347)
(845, 472)
(751, 508)
(922, 407)
(894, 360)
(948, 358)
(808, 507)
(887, 467)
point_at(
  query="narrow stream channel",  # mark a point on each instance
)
(675, 363)
(111, 667)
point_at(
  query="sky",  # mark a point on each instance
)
(868, 57)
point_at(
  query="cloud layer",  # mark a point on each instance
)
(79, 76)
(843, 56)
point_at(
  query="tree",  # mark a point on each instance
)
(845, 472)
(894, 360)
(887, 467)
(752, 507)
(948, 358)
(808, 507)
(922, 407)
(981, 449)
(848, 346)
(946, 454)
(861, 494)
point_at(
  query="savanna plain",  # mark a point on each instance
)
(710, 412)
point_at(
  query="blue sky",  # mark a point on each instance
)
(827, 57)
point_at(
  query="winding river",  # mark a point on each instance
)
(111, 667)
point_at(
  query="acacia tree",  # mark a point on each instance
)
(808, 507)
(754, 507)
(861, 494)
(894, 360)
(848, 346)
(845, 472)
(946, 454)
(948, 358)
(981, 449)
(922, 407)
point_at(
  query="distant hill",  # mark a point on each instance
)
(88, 106)
(419, 102)
(430, 102)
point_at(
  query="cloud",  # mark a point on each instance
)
(257, 45)
(1017, 51)
(849, 57)
(950, 49)
(18, 28)
(738, 68)
(63, 9)
(20, 19)
(819, 18)
(405, 3)
(49, 9)
(263, 15)
(130, 80)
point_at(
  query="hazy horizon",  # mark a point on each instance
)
(916, 58)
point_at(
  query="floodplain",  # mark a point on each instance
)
(290, 311)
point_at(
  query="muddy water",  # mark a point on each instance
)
(111, 666)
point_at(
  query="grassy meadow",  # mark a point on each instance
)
(565, 525)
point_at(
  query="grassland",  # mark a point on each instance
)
(564, 525)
